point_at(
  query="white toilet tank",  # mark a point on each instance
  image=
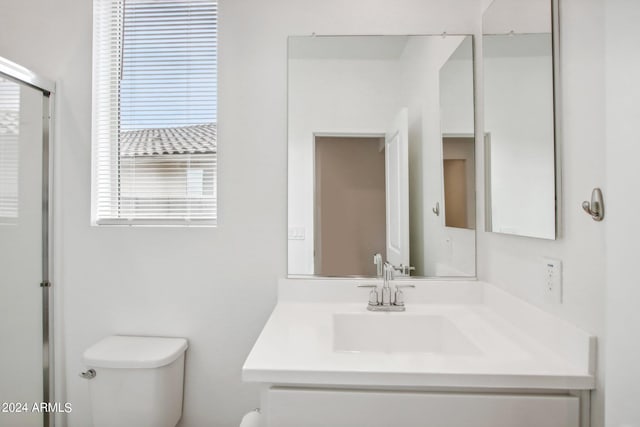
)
(138, 381)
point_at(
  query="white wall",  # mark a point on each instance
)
(213, 286)
(339, 96)
(519, 16)
(515, 263)
(457, 91)
(621, 221)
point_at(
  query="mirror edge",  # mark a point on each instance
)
(557, 112)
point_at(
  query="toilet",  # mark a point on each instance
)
(136, 381)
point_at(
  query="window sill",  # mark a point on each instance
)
(157, 223)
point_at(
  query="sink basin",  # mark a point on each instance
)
(399, 333)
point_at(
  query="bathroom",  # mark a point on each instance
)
(217, 286)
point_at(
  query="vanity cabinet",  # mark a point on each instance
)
(295, 407)
(450, 360)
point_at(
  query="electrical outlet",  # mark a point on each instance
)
(553, 280)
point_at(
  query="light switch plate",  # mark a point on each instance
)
(552, 280)
(296, 233)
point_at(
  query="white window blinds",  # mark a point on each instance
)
(155, 111)
(9, 150)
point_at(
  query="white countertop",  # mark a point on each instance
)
(296, 346)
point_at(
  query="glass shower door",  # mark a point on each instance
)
(21, 254)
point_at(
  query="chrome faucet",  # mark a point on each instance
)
(386, 299)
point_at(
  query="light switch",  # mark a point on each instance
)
(296, 233)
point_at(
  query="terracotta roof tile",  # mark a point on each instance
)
(197, 139)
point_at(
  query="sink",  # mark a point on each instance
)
(399, 333)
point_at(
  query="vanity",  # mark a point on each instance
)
(464, 353)
(381, 321)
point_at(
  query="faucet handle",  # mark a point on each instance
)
(399, 298)
(373, 295)
(405, 269)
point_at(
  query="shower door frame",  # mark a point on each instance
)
(12, 71)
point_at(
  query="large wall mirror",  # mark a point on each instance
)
(520, 133)
(382, 155)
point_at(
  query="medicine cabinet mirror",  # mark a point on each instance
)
(521, 182)
(381, 155)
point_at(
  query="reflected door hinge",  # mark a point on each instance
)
(45, 284)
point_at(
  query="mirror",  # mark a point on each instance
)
(381, 155)
(520, 143)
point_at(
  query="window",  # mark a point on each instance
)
(155, 112)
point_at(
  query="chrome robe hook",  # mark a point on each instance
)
(436, 209)
(596, 207)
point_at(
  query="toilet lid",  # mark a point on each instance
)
(120, 351)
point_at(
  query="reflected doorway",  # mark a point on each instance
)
(458, 166)
(350, 205)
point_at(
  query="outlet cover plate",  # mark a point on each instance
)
(552, 280)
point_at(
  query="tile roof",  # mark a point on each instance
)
(196, 139)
